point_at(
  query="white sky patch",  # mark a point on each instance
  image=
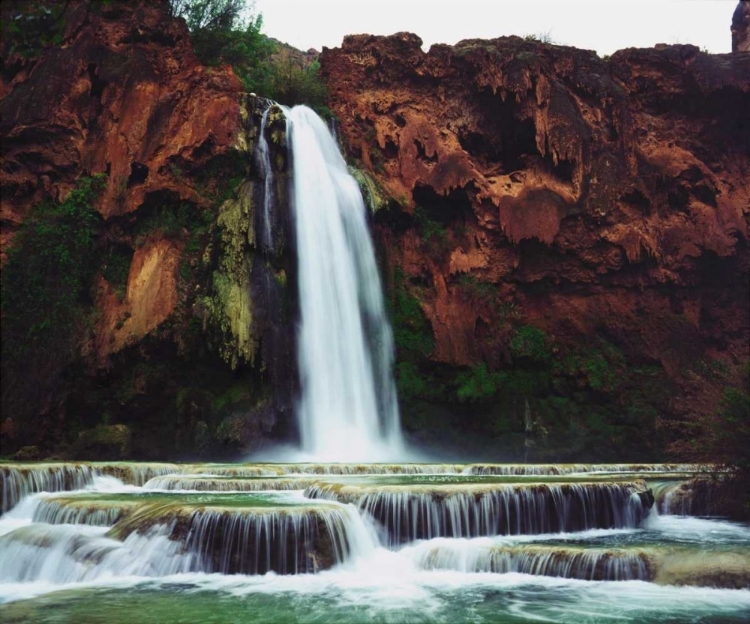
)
(601, 25)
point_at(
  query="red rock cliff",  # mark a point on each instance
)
(166, 323)
(583, 196)
(122, 95)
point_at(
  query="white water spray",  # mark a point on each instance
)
(348, 408)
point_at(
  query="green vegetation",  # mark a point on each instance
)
(116, 267)
(29, 27)
(46, 286)
(541, 37)
(170, 221)
(531, 343)
(433, 233)
(228, 32)
(48, 269)
(296, 80)
(225, 32)
(482, 292)
(601, 364)
(477, 384)
(723, 438)
(412, 330)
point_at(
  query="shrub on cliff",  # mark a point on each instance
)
(45, 288)
(28, 27)
(229, 32)
(723, 438)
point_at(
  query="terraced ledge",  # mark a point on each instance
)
(664, 566)
(234, 538)
(84, 510)
(593, 564)
(227, 484)
(134, 473)
(412, 512)
(20, 480)
(567, 469)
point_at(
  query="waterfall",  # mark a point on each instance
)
(265, 168)
(348, 408)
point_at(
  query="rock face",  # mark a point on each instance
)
(125, 95)
(741, 27)
(544, 197)
(167, 346)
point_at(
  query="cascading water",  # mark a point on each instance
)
(265, 168)
(348, 408)
(395, 543)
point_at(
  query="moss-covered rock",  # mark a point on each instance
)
(373, 193)
(102, 443)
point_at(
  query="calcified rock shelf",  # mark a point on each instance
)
(367, 543)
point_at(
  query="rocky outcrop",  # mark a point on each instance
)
(603, 203)
(741, 27)
(185, 318)
(123, 96)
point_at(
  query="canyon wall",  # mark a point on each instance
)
(563, 239)
(565, 236)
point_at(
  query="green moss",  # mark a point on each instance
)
(233, 395)
(433, 233)
(103, 442)
(46, 286)
(412, 331)
(478, 384)
(601, 363)
(483, 292)
(230, 306)
(116, 267)
(374, 195)
(531, 343)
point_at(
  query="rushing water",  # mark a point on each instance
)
(361, 543)
(348, 409)
(265, 168)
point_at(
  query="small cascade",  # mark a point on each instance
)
(134, 473)
(372, 469)
(348, 408)
(265, 169)
(70, 554)
(209, 484)
(410, 513)
(64, 510)
(684, 498)
(235, 470)
(589, 564)
(20, 480)
(255, 540)
(569, 469)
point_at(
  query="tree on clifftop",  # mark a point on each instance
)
(228, 32)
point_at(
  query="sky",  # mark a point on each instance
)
(601, 25)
